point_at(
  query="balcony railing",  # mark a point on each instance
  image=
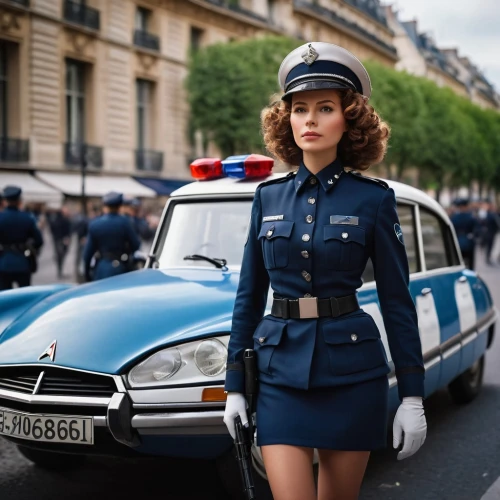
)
(79, 13)
(24, 3)
(146, 159)
(146, 40)
(14, 150)
(78, 154)
(235, 7)
(329, 15)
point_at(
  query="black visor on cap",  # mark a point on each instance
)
(314, 85)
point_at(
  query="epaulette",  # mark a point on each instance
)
(278, 180)
(380, 182)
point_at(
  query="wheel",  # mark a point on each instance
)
(229, 474)
(52, 461)
(468, 385)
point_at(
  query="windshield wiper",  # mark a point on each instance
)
(218, 263)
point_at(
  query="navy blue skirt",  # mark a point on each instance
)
(349, 417)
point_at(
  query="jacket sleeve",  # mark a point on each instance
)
(132, 237)
(250, 301)
(88, 252)
(390, 263)
(36, 234)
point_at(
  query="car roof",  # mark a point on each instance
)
(231, 186)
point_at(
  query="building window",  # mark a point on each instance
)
(196, 38)
(144, 104)
(75, 101)
(3, 89)
(142, 19)
(271, 10)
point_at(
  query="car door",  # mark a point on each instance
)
(444, 281)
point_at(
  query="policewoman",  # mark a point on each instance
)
(111, 241)
(20, 238)
(322, 366)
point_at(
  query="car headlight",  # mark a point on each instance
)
(210, 357)
(160, 366)
(189, 363)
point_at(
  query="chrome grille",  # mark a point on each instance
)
(56, 382)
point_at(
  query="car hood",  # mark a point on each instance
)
(107, 326)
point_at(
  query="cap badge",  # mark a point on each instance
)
(310, 55)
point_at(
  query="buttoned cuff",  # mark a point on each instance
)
(235, 381)
(410, 384)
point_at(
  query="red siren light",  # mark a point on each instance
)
(206, 168)
(258, 166)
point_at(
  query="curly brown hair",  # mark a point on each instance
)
(364, 144)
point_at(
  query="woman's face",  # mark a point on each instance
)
(317, 120)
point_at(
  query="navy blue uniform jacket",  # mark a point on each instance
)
(312, 236)
(466, 228)
(17, 228)
(111, 235)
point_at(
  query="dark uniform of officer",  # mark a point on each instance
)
(20, 239)
(466, 228)
(322, 366)
(111, 241)
(140, 225)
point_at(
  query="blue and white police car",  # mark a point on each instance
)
(135, 364)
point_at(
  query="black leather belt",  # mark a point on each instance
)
(312, 307)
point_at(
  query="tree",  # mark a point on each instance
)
(228, 86)
(398, 99)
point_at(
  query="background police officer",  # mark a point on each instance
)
(466, 228)
(20, 238)
(111, 241)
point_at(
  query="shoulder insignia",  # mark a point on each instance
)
(358, 175)
(287, 177)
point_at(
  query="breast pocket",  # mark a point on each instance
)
(344, 247)
(266, 338)
(353, 344)
(275, 238)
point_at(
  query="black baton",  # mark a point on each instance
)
(243, 447)
(251, 385)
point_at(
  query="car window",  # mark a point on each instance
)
(216, 229)
(407, 222)
(435, 248)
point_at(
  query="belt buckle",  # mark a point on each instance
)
(308, 307)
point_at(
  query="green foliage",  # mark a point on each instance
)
(229, 85)
(450, 140)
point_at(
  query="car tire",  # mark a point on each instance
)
(468, 385)
(52, 461)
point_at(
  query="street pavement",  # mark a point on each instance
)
(460, 459)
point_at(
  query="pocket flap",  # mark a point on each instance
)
(269, 332)
(351, 330)
(344, 233)
(276, 229)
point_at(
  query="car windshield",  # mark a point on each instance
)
(215, 229)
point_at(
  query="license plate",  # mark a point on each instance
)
(48, 428)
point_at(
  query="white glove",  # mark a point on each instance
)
(236, 404)
(409, 419)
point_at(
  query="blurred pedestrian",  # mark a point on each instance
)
(131, 210)
(60, 228)
(489, 224)
(466, 228)
(20, 241)
(111, 242)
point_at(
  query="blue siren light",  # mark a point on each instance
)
(247, 166)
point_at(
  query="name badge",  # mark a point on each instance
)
(349, 220)
(269, 218)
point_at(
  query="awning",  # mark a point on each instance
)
(95, 185)
(33, 189)
(163, 187)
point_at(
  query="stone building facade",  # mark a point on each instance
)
(101, 82)
(419, 55)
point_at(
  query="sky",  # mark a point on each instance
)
(473, 26)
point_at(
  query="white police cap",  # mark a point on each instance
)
(320, 65)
